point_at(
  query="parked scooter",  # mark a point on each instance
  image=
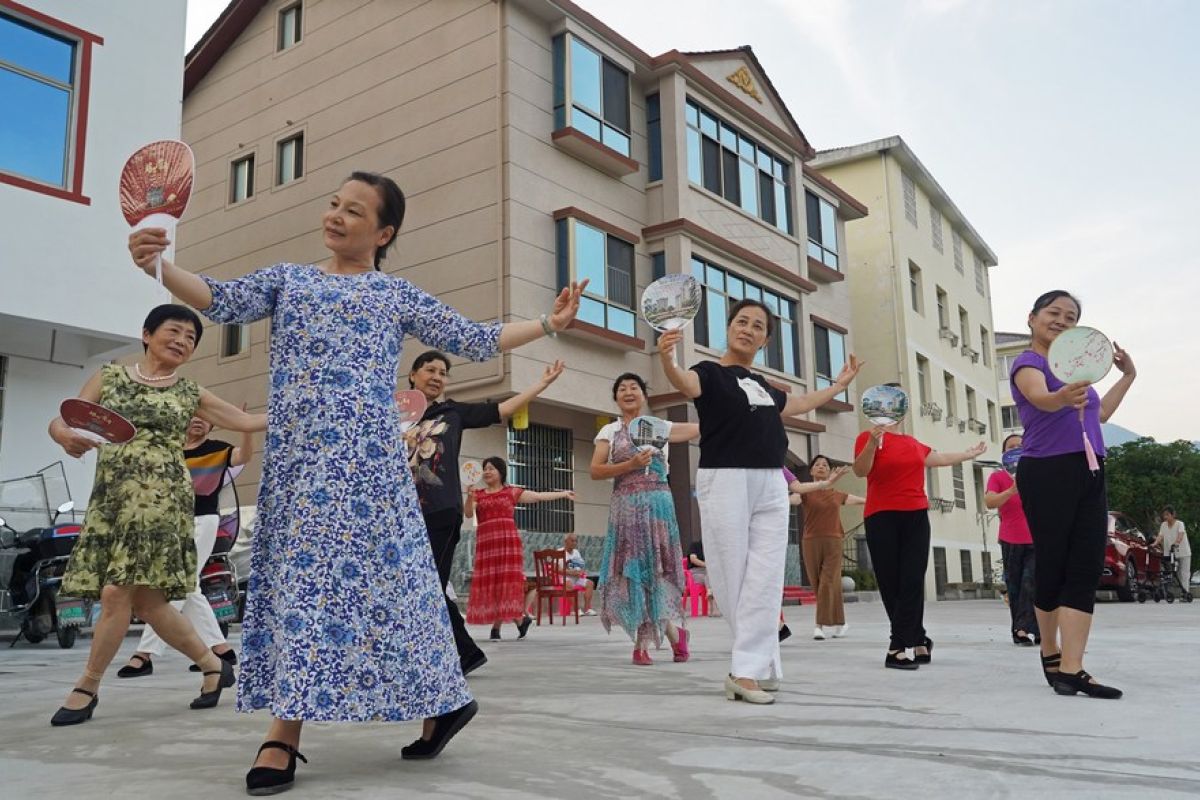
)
(32, 590)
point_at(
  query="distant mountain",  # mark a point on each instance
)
(1115, 435)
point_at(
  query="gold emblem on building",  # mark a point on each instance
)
(743, 80)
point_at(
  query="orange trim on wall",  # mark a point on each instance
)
(575, 213)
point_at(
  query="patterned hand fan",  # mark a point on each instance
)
(411, 404)
(1081, 354)
(95, 421)
(156, 185)
(649, 433)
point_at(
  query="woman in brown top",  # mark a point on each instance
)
(821, 546)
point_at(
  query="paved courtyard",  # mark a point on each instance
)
(565, 715)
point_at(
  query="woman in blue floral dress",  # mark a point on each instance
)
(345, 619)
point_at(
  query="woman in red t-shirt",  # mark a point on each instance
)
(1016, 547)
(896, 518)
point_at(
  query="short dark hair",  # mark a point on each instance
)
(425, 358)
(391, 206)
(1052, 295)
(628, 376)
(1169, 510)
(749, 303)
(171, 312)
(814, 459)
(1004, 444)
(500, 465)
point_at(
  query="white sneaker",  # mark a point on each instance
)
(840, 630)
(591, 612)
(819, 633)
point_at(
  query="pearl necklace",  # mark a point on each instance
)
(138, 369)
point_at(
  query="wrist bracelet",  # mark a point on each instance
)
(546, 329)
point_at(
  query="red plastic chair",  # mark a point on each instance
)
(697, 592)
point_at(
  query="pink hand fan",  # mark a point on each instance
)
(155, 187)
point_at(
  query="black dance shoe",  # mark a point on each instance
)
(1023, 641)
(444, 728)
(784, 632)
(228, 656)
(146, 667)
(75, 716)
(209, 699)
(473, 663)
(1072, 683)
(1047, 663)
(928, 657)
(495, 635)
(523, 626)
(268, 780)
(899, 661)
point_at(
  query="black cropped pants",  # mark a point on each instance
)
(899, 545)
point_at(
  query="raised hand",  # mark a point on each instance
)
(566, 305)
(849, 371)
(977, 450)
(552, 371)
(1123, 362)
(146, 245)
(836, 475)
(667, 341)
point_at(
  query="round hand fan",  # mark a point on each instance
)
(156, 185)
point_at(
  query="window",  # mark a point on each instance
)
(540, 459)
(1004, 366)
(931, 484)
(980, 276)
(722, 289)
(956, 244)
(289, 159)
(923, 378)
(235, 339)
(591, 94)
(45, 68)
(964, 558)
(951, 396)
(910, 198)
(992, 421)
(964, 326)
(241, 179)
(943, 312)
(940, 578)
(822, 230)
(654, 136)
(971, 409)
(935, 227)
(289, 26)
(1009, 418)
(977, 476)
(960, 490)
(830, 349)
(727, 162)
(658, 265)
(914, 288)
(985, 346)
(585, 251)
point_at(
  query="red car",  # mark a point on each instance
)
(1130, 566)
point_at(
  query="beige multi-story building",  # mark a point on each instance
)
(536, 145)
(1008, 347)
(923, 317)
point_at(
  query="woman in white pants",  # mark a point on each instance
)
(743, 503)
(207, 460)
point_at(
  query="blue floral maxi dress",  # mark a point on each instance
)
(641, 572)
(345, 618)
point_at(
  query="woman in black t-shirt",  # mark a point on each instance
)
(433, 448)
(743, 500)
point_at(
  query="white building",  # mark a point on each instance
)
(82, 85)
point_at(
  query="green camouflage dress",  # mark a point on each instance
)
(138, 528)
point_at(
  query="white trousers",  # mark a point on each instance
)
(195, 606)
(744, 516)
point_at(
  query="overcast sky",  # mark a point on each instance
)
(1065, 130)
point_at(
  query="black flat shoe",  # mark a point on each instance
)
(898, 660)
(928, 657)
(145, 667)
(1071, 683)
(75, 716)
(523, 626)
(475, 662)
(1051, 661)
(209, 699)
(495, 636)
(228, 657)
(1022, 641)
(784, 632)
(444, 728)
(268, 780)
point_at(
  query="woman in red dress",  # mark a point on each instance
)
(498, 583)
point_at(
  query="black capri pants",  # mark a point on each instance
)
(1067, 510)
(899, 545)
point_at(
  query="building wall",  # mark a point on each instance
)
(70, 296)
(890, 334)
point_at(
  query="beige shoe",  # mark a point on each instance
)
(734, 691)
(769, 684)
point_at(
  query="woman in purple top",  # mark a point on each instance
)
(1064, 500)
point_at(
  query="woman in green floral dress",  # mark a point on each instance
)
(136, 551)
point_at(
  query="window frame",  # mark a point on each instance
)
(935, 228)
(565, 105)
(299, 161)
(823, 251)
(916, 289)
(77, 108)
(822, 380)
(228, 332)
(909, 189)
(566, 240)
(281, 45)
(250, 160)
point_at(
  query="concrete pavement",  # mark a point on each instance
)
(565, 715)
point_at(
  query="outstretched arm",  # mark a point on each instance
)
(543, 497)
(803, 403)
(74, 443)
(566, 306)
(684, 380)
(683, 432)
(1113, 397)
(935, 459)
(221, 414)
(549, 376)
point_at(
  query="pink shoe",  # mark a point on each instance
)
(642, 658)
(681, 649)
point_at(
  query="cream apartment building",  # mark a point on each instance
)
(1008, 347)
(922, 316)
(535, 145)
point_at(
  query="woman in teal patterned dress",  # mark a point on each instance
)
(136, 551)
(346, 618)
(641, 574)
